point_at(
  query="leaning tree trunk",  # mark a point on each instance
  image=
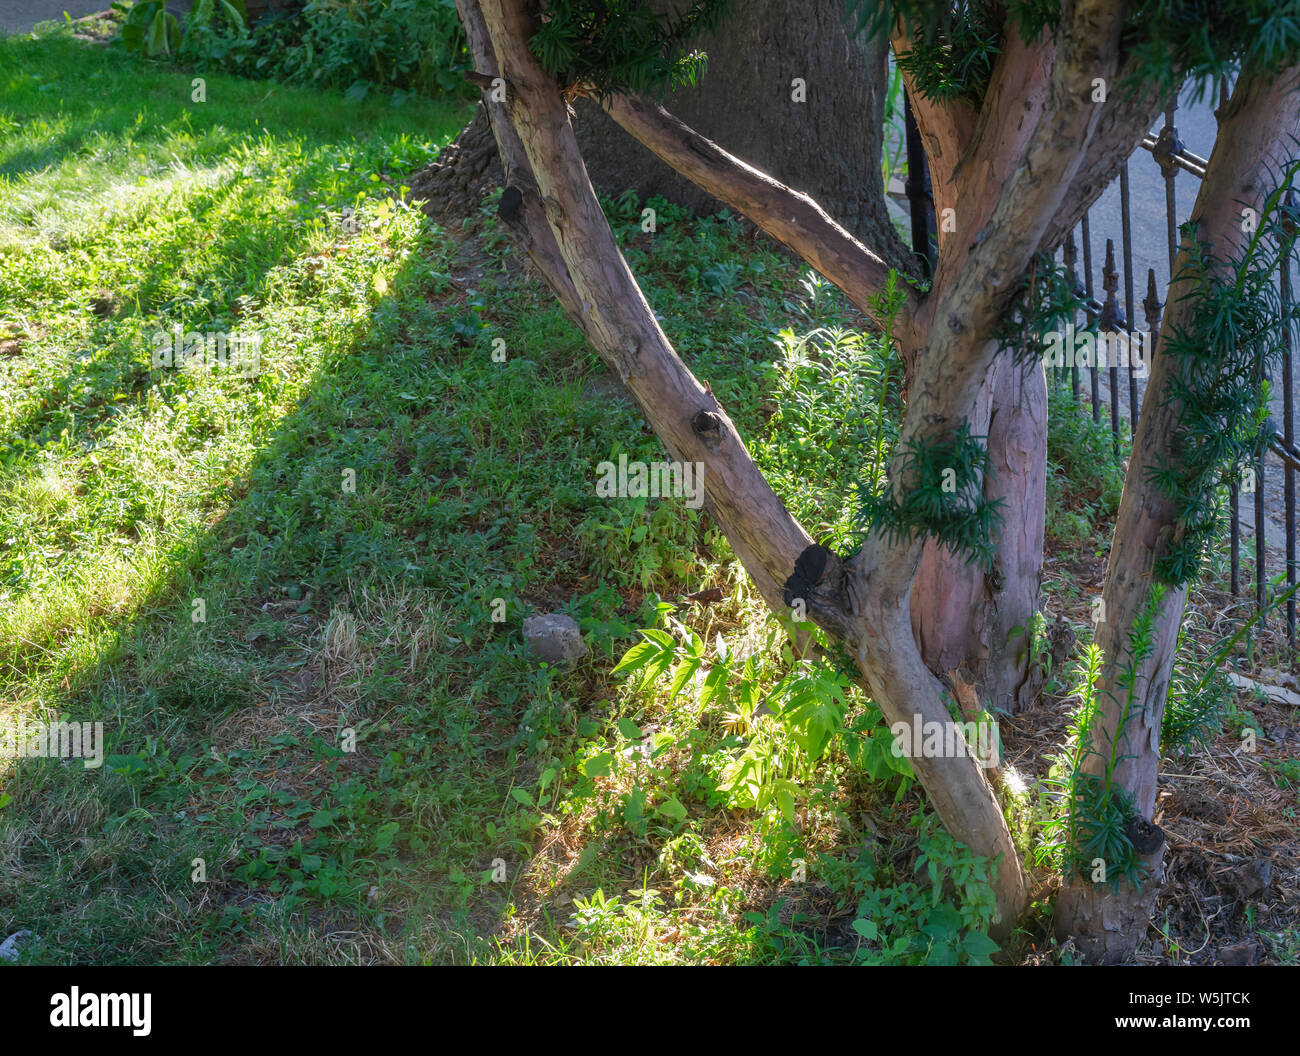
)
(744, 100)
(1255, 134)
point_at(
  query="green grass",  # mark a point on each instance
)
(183, 562)
(277, 593)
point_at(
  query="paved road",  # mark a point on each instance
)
(18, 16)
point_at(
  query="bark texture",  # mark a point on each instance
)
(463, 174)
(971, 624)
(1253, 141)
(744, 103)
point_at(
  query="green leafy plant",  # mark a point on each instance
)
(606, 46)
(944, 924)
(1199, 696)
(1084, 480)
(785, 724)
(148, 28)
(1234, 335)
(641, 541)
(837, 398)
(940, 493)
(1087, 815)
(212, 28)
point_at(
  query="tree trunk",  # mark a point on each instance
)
(463, 174)
(1018, 181)
(744, 101)
(1254, 130)
(973, 625)
(611, 310)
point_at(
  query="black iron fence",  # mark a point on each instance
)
(1106, 391)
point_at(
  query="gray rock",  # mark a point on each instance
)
(10, 948)
(1243, 953)
(1254, 878)
(554, 638)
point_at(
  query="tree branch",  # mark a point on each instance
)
(1125, 119)
(787, 215)
(527, 222)
(946, 130)
(617, 320)
(974, 282)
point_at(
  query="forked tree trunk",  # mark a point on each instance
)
(1252, 143)
(1015, 190)
(973, 625)
(614, 315)
(963, 616)
(970, 622)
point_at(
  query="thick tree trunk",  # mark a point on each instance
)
(1254, 134)
(614, 315)
(743, 101)
(971, 624)
(463, 174)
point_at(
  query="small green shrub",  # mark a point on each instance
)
(1084, 477)
(398, 46)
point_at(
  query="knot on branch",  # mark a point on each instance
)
(1145, 836)
(816, 590)
(707, 425)
(512, 200)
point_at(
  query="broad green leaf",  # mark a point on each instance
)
(638, 656)
(673, 808)
(866, 928)
(597, 765)
(715, 682)
(684, 673)
(978, 944)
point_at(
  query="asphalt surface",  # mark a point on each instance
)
(19, 16)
